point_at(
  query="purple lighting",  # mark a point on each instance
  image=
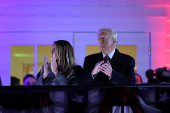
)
(40, 22)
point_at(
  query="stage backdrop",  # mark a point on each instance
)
(34, 23)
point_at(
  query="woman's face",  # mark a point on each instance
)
(54, 53)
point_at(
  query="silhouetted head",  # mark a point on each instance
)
(15, 81)
(29, 79)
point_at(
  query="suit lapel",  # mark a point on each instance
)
(116, 59)
(98, 57)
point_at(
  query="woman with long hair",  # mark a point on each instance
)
(62, 70)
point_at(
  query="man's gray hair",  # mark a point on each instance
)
(112, 33)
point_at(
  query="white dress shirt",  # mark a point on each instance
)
(110, 54)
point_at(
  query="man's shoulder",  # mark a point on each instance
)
(126, 56)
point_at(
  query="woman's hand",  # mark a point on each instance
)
(54, 64)
(46, 67)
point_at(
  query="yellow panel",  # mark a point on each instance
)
(22, 60)
(92, 49)
(127, 49)
(43, 50)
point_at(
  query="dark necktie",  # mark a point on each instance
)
(106, 58)
(105, 78)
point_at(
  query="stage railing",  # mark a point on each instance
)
(72, 99)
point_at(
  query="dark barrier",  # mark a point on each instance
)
(85, 99)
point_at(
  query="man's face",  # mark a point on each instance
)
(29, 81)
(105, 42)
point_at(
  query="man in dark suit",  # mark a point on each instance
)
(119, 69)
(107, 67)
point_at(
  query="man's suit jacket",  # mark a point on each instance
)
(122, 65)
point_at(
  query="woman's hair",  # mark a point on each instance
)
(66, 58)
